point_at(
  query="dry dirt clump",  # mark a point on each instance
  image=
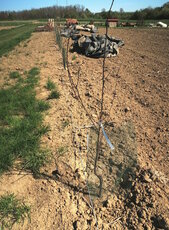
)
(143, 210)
(136, 100)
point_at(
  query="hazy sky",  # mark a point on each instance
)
(94, 6)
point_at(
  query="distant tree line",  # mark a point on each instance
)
(78, 11)
(150, 13)
(145, 14)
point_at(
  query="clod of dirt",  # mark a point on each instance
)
(75, 225)
(127, 109)
(159, 222)
(147, 178)
(87, 94)
(142, 206)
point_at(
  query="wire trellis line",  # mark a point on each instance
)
(98, 125)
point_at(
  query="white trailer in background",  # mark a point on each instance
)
(161, 24)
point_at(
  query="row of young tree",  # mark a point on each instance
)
(78, 11)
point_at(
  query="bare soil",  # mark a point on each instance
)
(136, 91)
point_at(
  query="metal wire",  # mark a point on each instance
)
(91, 202)
(75, 88)
(98, 146)
(78, 97)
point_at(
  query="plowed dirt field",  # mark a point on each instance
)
(136, 103)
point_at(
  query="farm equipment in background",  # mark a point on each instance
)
(162, 25)
(128, 24)
(73, 25)
(71, 21)
(46, 28)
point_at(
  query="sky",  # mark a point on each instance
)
(92, 5)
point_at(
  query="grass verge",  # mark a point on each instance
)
(21, 125)
(14, 23)
(12, 210)
(12, 37)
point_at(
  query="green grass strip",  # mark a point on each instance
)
(21, 124)
(12, 37)
(14, 23)
(12, 210)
